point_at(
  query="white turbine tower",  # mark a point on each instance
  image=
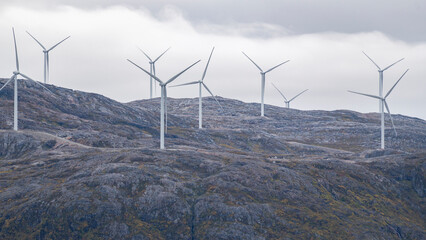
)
(381, 78)
(152, 69)
(46, 56)
(287, 102)
(383, 102)
(262, 74)
(201, 84)
(163, 96)
(15, 79)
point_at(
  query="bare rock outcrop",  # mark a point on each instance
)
(86, 167)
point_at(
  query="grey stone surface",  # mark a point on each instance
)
(86, 167)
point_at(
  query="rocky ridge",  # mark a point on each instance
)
(87, 167)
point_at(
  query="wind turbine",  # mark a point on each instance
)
(163, 85)
(152, 68)
(381, 78)
(15, 79)
(262, 74)
(46, 56)
(287, 102)
(201, 84)
(383, 102)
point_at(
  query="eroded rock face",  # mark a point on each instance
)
(87, 167)
(142, 194)
(14, 145)
(97, 121)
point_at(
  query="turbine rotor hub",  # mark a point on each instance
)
(15, 73)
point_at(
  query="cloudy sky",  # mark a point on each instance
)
(324, 40)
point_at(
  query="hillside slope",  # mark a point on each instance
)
(87, 167)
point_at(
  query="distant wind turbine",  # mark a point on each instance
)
(287, 102)
(46, 56)
(163, 95)
(383, 102)
(152, 68)
(201, 84)
(262, 74)
(15, 79)
(381, 78)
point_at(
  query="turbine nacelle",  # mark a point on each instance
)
(152, 68)
(163, 96)
(287, 102)
(379, 68)
(46, 55)
(201, 85)
(383, 102)
(263, 77)
(15, 80)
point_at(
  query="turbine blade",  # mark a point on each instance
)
(47, 66)
(205, 86)
(153, 71)
(36, 40)
(153, 76)
(277, 66)
(162, 54)
(58, 43)
(371, 60)
(177, 75)
(8, 81)
(155, 88)
(165, 104)
(207, 65)
(253, 62)
(390, 115)
(16, 50)
(368, 95)
(279, 91)
(28, 78)
(298, 95)
(387, 94)
(184, 84)
(146, 55)
(393, 64)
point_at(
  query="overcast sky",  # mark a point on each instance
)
(323, 39)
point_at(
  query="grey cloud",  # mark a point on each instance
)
(399, 19)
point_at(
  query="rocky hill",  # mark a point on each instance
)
(87, 167)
